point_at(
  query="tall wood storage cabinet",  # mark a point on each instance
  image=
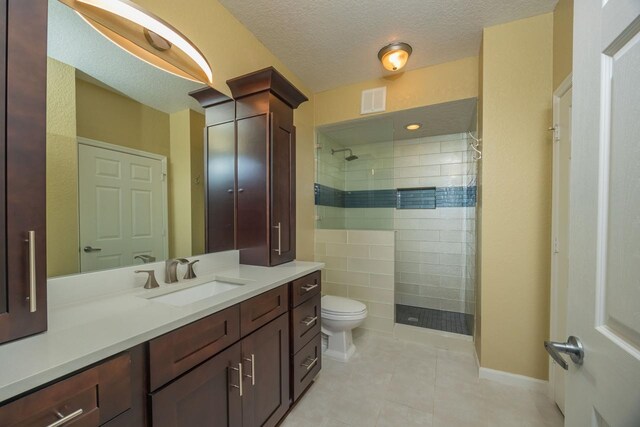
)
(23, 71)
(250, 143)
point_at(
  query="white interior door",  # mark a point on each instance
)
(560, 233)
(121, 207)
(604, 272)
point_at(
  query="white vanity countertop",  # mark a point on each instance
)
(83, 332)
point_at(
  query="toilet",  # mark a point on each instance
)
(339, 316)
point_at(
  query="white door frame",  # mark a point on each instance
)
(564, 87)
(140, 153)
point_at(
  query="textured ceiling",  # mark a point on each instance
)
(439, 119)
(333, 43)
(74, 42)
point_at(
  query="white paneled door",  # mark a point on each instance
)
(122, 207)
(604, 270)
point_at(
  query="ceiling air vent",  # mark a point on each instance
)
(374, 100)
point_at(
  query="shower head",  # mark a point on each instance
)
(349, 158)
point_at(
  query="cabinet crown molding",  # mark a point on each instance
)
(208, 97)
(267, 79)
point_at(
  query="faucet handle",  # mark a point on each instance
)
(190, 273)
(182, 260)
(151, 279)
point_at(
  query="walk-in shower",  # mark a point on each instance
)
(421, 185)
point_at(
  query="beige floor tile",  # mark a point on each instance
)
(394, 415)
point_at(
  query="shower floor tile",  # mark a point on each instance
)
(440, 320)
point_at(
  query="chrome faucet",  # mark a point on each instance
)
(171, 269)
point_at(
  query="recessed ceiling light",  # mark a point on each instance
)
(395, 55)
(413, 126)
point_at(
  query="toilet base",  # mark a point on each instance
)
(339, 346)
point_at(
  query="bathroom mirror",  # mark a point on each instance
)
(125, 166)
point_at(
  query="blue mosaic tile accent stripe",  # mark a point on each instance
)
(416, 198)
(455, 197)
(408, 198)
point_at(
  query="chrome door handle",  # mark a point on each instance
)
(309, 363)
(308, 288)
(239, 370)
(309, 320)
(573, 347)
(65, 419)
(31, 239)
(89, 249)
(253, 369)
(279, 227)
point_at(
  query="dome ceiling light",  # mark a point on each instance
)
(145, 36)
(395, 55)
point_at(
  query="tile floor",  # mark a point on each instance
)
(440, 320)
(402, 384)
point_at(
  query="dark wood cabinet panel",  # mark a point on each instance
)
(253, 212)
(305, 366)
(262, 309)
(304, 288)
(221, 187)
(23, 148)
(205, 396)
(92, 397)
(305, 323)
(266, 386)
(178, 351)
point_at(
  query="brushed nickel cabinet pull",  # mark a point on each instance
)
(279, 227)
(307, 321)
(309, 287)
(309, 363)
(65, 419)
(253, 369)
(31, 239)
(239, 370)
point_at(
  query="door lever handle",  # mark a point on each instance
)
(573, 347)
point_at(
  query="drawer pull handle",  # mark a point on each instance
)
(253, 369)
(279, 227)
(308, 288)
(65, 419)
(308, 321)
(309, 363)
(239, 369)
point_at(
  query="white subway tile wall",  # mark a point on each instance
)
(360, 265)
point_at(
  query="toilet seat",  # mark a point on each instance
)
(338, 307)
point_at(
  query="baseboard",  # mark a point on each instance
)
(508, 378)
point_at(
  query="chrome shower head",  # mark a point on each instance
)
(349, 158)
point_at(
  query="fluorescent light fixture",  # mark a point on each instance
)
(413, 126)
(146, 36)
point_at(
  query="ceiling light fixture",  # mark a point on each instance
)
(145, 36)
(395, 55)
(413, 126)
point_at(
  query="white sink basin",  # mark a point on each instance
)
(196, 293)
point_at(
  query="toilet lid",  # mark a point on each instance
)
(333, 304)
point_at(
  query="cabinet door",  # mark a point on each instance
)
(266, 384)
(23, 37)
(252, 190)
(209, 395)
(283, 192)
(221, 188)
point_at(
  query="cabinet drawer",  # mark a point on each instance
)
(305, 323)
(178, 351)
(89, 398)
(260, 310)
(305, 288)
(306, 365)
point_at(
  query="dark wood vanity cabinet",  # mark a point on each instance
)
(23, 41)
(250, 142)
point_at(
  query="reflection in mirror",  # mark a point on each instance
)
(125, 167)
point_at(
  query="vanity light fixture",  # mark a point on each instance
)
(395, 55)
(413, 126)
(145, 36)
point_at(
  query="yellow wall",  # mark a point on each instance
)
(62, 170)
(562, 41)
(516, 195)
(196, 128)
(477, 330)
(232, 50)
(424, 86)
